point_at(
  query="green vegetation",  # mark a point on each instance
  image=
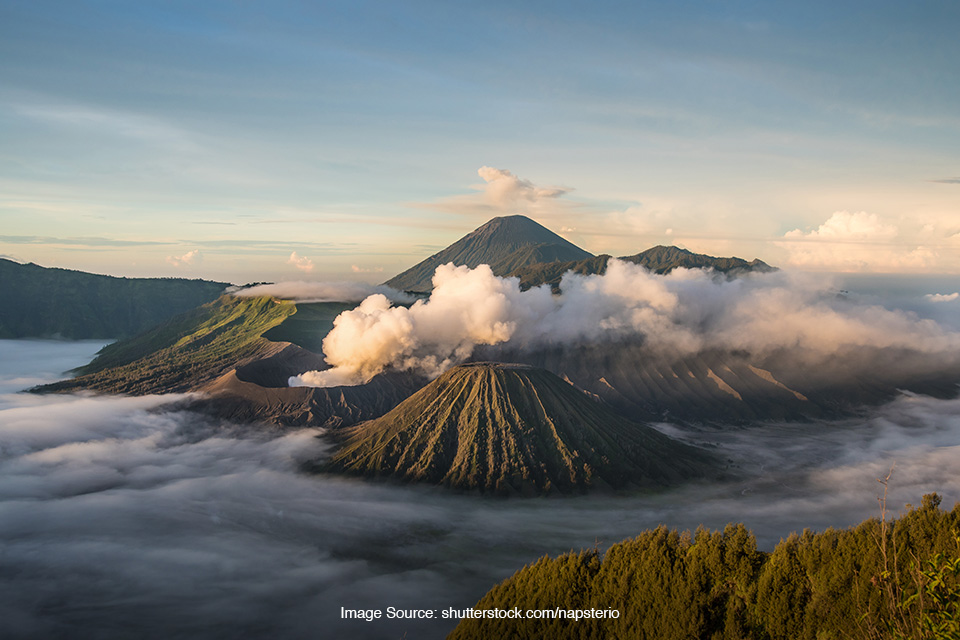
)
(876, 580)
(936, 603)
(661, 259)
(46, 303)
(658, 259)
(186, 351)
(505, 428)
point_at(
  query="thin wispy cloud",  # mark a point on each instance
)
(943, 297)
(358, 269)
(81, 241)
(113, 122)
(302, 291)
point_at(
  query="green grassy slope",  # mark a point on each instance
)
(184, 352)
(509, 428)
(44, 302)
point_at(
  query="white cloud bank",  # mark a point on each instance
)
(302, 291)
(865, 242)
(685, 311)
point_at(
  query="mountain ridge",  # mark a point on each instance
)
(660, 259)
(77, 305)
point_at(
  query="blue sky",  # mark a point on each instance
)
(252, 141)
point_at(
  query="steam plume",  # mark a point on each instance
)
(682, 312)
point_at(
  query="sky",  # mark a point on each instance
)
(249, 142)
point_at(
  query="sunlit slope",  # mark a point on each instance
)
(49, 302)
(505, 244)
(240, 352)
(186, 351)
(505, 428)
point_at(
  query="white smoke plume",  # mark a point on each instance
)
(682, 312)
(302, 291)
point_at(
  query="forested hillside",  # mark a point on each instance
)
(876, 580)
(41, 302)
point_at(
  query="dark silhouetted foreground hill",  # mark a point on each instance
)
(672, 586)
(41, 302)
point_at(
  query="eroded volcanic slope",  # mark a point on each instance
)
(505, 428)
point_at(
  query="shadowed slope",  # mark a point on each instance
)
(50, 302)
(503, 428)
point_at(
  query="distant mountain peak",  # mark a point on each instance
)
(505, 243)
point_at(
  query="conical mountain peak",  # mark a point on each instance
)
(508, 428)
(505, 243)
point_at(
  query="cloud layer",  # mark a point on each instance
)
(126, 517)
(685, 311)
(303, 291)
(865, 242)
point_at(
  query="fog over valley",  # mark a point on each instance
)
(123, 515)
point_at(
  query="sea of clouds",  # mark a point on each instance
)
(130, 517)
